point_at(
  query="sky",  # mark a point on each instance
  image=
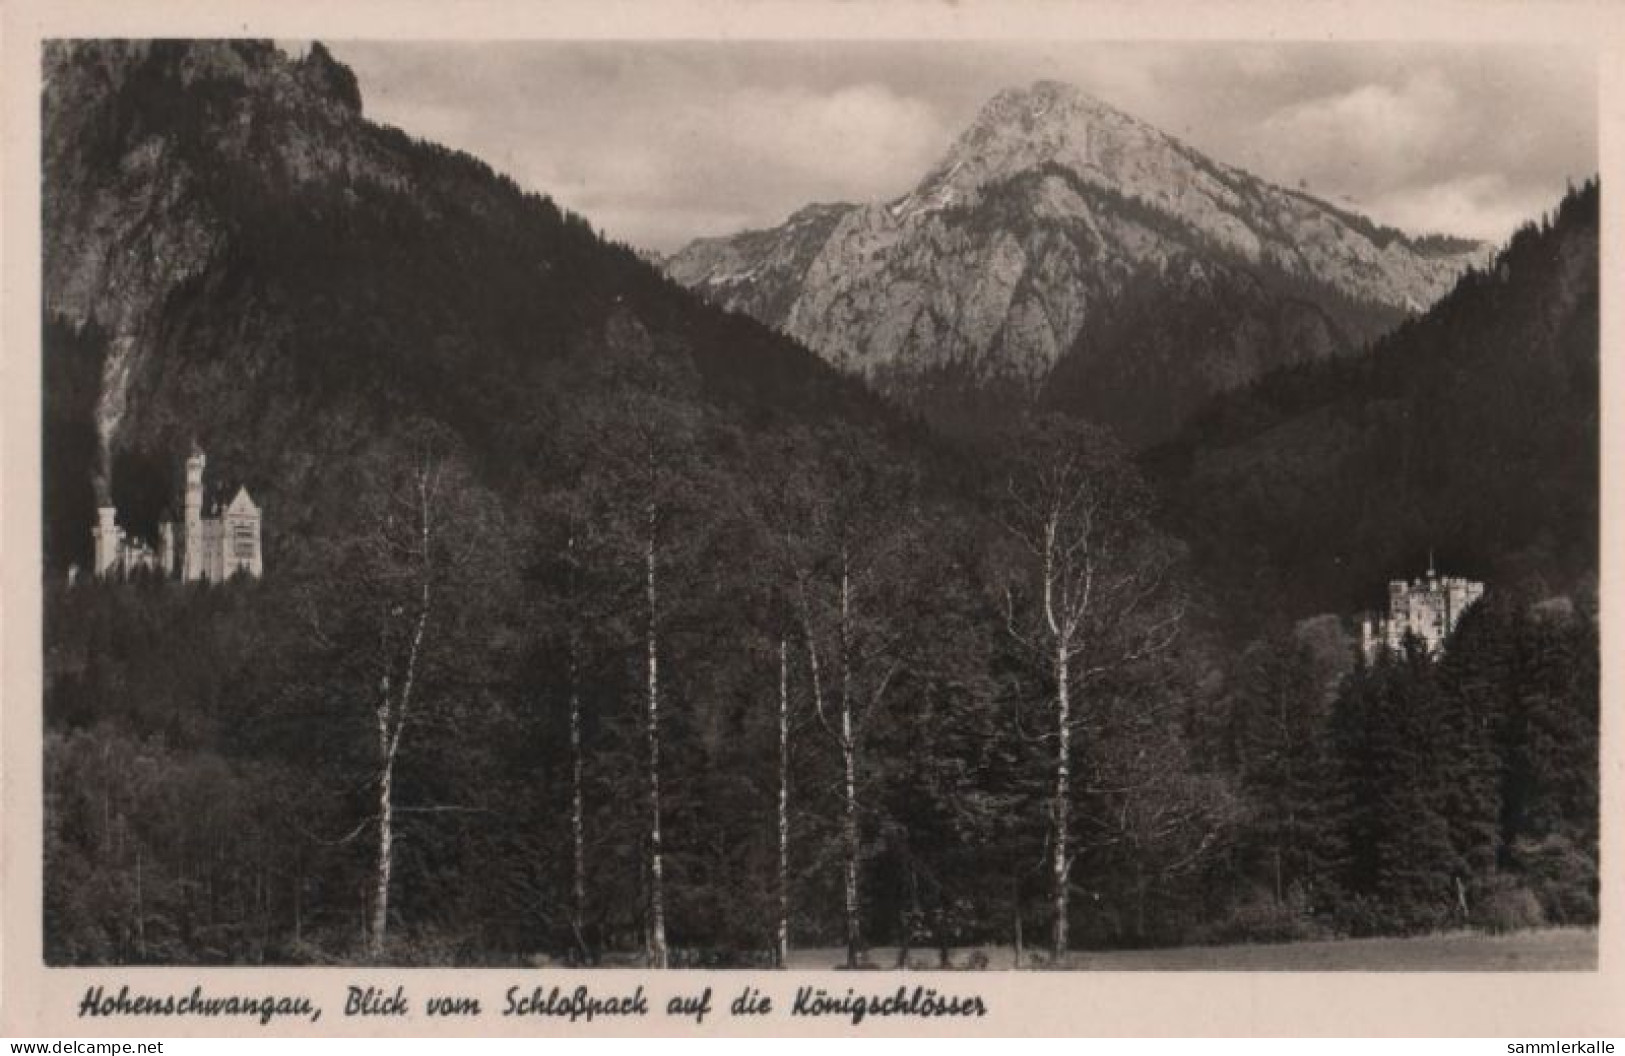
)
(660, 142)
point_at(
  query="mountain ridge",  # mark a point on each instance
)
(994, 263)
(234, 254)
(1470, 431)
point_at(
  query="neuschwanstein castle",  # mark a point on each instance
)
(214, 547)
(1428, 607)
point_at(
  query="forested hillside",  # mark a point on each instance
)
(599, 625)
(1470, 432)
(296, 281)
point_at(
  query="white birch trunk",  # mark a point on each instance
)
(578, 821)
(392, 715)
(657, 901)
(849, 765)
(1063, 799)
(578, 828)
(783, 950)
(1060, 617)
(386, 837)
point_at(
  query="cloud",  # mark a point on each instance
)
(1388, 131)
(659, 142)
(850, 140)
(1485, 206)
(658, 145)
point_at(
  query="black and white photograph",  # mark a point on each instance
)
(806, 505)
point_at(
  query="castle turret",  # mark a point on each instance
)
(166, 548)
(240, 541)
(193, 556)
(108, 541)
(1427, 608)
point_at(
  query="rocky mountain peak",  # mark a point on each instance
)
(1057, 230)
(81, 75)
(137, 138)
(1043, 108)
(1041, 104)
(1020, 129)
(328, 77)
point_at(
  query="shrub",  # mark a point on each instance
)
(1508, 906)
(1563, 875)
(1260, 918)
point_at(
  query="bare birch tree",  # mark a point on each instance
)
(578, 799)
(396, 615)
(1094, 596)
(782, 930)
(639, 492)
(838, 533)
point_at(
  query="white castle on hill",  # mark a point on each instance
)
(215, 547)
(1428, 607)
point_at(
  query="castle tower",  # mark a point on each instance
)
(1427, 608)
(166, 548)
(192, 556)
(240, 542)
(107, 541)
(1398, 623)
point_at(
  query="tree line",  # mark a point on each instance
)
(696, 694)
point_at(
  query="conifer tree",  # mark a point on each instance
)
(1279, 717)
(1090, 596)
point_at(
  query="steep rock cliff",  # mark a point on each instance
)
(1009, 257)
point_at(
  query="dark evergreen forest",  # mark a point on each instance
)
(601, 626)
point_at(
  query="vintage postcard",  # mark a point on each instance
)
(737, 518)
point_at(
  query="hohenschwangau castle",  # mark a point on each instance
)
(214, 547)
(1428, 607)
